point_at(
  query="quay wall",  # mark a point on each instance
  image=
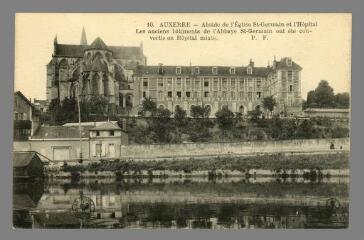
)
(151, 151)
(155, 151)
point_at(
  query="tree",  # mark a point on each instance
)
(161, 125)
(254, 115)
(269, 103)
(200, 111)
(225, 119)
(342, 100)
(149, 107)
(322, 97)
(180, 117)
(305, 129)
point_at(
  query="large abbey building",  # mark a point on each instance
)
(100, 70)
(122, 76)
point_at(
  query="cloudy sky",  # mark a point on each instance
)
(323, 54)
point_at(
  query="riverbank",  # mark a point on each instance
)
(310, 166)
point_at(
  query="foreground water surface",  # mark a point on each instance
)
(182, 203)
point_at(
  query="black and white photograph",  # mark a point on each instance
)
(182, 121)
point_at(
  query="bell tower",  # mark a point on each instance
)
(83, 37)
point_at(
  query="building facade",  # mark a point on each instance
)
(102, 140)
(26, 117)
(241, 89)
(94, 70)
(122, 76)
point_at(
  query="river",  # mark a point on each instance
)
(223, 203)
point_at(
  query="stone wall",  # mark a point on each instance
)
(154, 151)
(147, 151)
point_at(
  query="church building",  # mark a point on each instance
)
(93, 70)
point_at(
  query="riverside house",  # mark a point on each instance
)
(101, 140)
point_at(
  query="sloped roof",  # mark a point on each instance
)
(203, 70)
(118, 52)
(107, 126)
(98, 43)
(24, 97)
(51, 132)
(282, 64)
(91, 124)
(22, 159)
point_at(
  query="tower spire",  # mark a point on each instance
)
(83, 37)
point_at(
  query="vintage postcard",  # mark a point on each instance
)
(181, 121)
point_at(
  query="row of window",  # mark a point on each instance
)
(214, 70)
(207, 94)
(20, 116)
(215, 83)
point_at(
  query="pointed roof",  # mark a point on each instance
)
(98, 43)
(83, 37)
(107, 126)
(22, 159)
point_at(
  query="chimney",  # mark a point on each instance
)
(251, 63)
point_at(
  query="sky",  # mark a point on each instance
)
(324, 54)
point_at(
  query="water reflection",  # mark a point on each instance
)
(184, 203)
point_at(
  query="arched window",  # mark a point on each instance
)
(95, 84)
(207, 110)
(63, 70)
(129, 101)
(161, 106)
(241, 109)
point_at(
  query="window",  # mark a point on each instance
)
(241, 84)
(178, 70)
(241, 95)
(160, 94)
(170, 94)
(145, 82)
(98, 149)
(290, 88)
(259, 95)
(197, 70)
(232, 70)
(179, 94)
(224, 94)
(232, 95)
(233, 83)
(224, 82)
(188, 83)
(197, 84)
(188, 94)
(216, 83)
(160, 69)
(111, 133)
(206, 83)
(97, 133)
(249, 70)
(250, 96)
(196, 95)
(289, 62)
(169, 82)
(290, 75)
(214, 70)
(144, 94)
(215, 94)
(160, 82)
(259, 83)
(206, 94)
(179, 82)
